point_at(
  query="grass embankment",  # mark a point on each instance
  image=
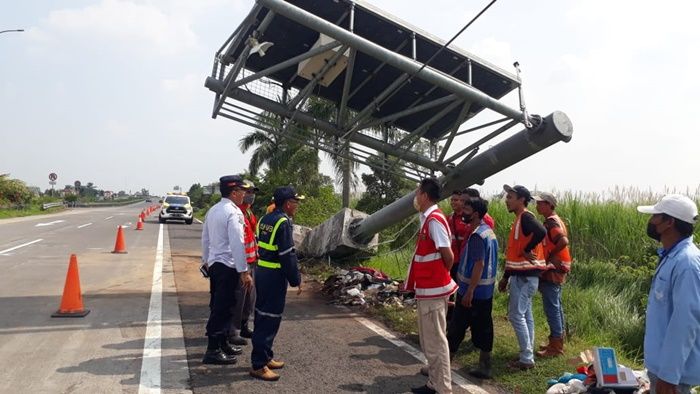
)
(28, 211)
(604, 299)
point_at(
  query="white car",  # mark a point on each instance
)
(176, 207)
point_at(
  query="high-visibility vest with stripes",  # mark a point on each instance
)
(427, 274)
(249, 240)
(459, 234)
(553, 274)
(484, 289)
(517, 240)
(267, 248)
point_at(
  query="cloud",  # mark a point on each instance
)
(494, 51)
(185, 89)
(123, 23)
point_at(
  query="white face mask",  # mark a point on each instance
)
(415, 203)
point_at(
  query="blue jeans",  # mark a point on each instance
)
(522, 289)
(553, 308)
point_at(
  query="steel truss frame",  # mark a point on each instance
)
(353, 128)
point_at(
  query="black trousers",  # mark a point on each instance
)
(224, 282)
(478, 318)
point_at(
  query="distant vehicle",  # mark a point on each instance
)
(176, 206)
(149, 200)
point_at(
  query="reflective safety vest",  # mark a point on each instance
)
(554, 274)
(270, 246)
(484, 289)
(249, 239)
(517, 241)
(460, 232)
(427, 274)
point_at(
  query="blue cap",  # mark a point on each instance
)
(284, 193)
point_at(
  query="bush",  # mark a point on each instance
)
(13, 192)
(316, 210)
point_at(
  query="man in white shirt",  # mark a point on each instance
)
(223, 253)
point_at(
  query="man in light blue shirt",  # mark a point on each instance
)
(672, 337)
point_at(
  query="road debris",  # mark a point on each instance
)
(365, 286)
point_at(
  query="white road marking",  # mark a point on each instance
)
(84, 225)
(108, 217)
(198, 221)
(457, 379)
(20, 246)
(49, 223)
(150, 366)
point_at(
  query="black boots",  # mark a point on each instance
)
(215, 354)
(245, 331)
(220, 352)
(484, 369)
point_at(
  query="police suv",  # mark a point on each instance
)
(176, 206)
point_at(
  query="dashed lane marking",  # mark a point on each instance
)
(49, 223)
(108, 217)
(85, 225)
(457, 379)
(20, 246)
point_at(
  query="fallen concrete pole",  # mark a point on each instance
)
(348, 232)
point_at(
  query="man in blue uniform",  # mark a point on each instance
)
(277, 268)
(476, 275)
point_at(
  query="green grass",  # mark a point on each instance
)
(30, 211)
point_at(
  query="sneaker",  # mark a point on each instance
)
(264, 373)
(517, 365)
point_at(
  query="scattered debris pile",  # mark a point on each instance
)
(365, 286)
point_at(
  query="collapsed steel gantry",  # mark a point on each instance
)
(379, 72)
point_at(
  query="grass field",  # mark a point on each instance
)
(604, 298)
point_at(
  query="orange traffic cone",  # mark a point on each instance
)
(120, 245)
(139, 224)
(72, 300)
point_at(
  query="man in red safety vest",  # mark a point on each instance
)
(429, 277)
(245, 298)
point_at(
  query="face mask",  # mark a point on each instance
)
(468, 219)
(249, 199)
(415, 203)
(652, 233)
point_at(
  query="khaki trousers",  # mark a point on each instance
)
(432, 326)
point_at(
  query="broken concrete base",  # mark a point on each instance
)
(332, 238)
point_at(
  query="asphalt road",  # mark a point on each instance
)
(145, 331)
(102, 352)
(326, 348)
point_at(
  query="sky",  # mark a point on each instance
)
(111, 91)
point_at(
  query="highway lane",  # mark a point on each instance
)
(102, 352)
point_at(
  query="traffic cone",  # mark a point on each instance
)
(72, 300)
(120, 245)
(139, 224)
